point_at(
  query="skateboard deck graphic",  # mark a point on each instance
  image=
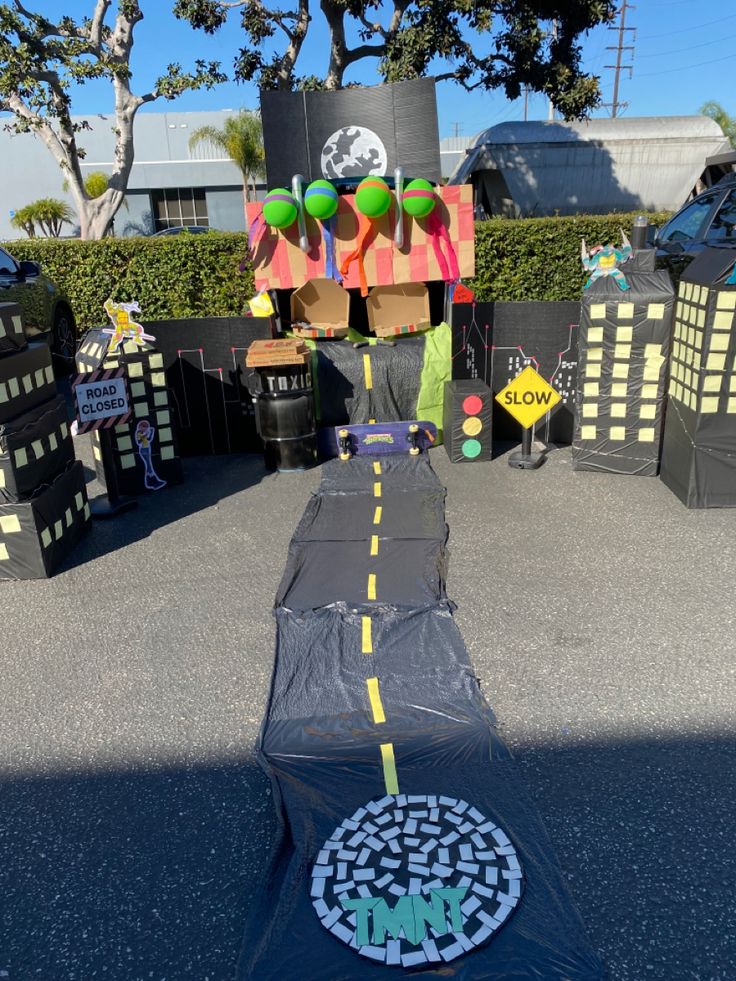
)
(378, 439)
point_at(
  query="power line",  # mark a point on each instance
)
(687, 30)
(690, 47)
(684, 68)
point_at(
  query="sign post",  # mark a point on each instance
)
(527, 398)
(101, 401)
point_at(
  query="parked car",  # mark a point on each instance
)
(708, 220)
(178, 229)
(47, 313)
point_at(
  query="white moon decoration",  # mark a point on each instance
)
(353, 151)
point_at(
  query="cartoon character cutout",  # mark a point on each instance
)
(124, 327)
(604, 260)
(144, 436)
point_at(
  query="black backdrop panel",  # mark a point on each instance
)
(494, 341)
(402, 116)
(205, 374)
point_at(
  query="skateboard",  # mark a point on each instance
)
(380, 438)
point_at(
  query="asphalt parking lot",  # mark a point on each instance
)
(598, 611)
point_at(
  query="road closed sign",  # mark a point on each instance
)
(528, 397)
(101, 399)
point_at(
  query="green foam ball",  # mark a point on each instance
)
(279, 208)
(418, 198)
(373, 197)
(320, 200)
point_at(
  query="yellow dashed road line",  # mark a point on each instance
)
(374, 695)
(372, 586)
(389, 768)
(366, 645)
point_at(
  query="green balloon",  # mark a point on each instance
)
(418, 198)
(373, 197)
(320, 200)
(279, 208)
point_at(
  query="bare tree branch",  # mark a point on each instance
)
(39, 60)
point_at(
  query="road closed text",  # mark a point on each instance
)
(101, 399)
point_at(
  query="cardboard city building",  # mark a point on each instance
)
(152, 413)
(624, 347)
(43, 501)
(699, 447)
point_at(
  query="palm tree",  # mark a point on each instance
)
(48, 213)
(24, 219)
(714, 110)
(241, 138)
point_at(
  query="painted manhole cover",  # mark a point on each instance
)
(411, 880)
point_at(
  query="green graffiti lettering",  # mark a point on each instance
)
(411, 914)
(362, 908)
(393, 921)
(453, 898)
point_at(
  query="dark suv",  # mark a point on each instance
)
(47, 314)
(707, 220)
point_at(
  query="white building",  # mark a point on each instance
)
(169, 183)
(526, 169)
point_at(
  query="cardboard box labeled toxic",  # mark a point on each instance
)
(394, 311)
(320, 310)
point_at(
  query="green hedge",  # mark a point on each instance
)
(171, 276)
(539, 258)
(197, 275)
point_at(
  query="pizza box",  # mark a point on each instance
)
(320, 309)
(395, 311)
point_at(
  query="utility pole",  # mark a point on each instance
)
(619, 48)
(551, 109)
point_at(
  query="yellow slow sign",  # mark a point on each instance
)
(528, 397)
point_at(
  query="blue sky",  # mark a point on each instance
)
(685, 53)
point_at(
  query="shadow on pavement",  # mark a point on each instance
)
(148, 873)
(207, 481)
(130, 875)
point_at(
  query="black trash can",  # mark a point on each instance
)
(285, 422)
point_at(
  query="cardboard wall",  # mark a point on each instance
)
(352, 132)
(494, 341)
(279, 263)
(204, 362)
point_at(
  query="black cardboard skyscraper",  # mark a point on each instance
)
(43, 501)
(150, 403)
(699, 447)
(624, 347)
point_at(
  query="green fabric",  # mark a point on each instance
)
(437, 370)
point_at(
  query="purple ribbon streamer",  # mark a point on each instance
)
(328, 232)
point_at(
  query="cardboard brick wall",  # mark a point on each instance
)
(279, 263)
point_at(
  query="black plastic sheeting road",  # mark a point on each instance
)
(408, 845)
